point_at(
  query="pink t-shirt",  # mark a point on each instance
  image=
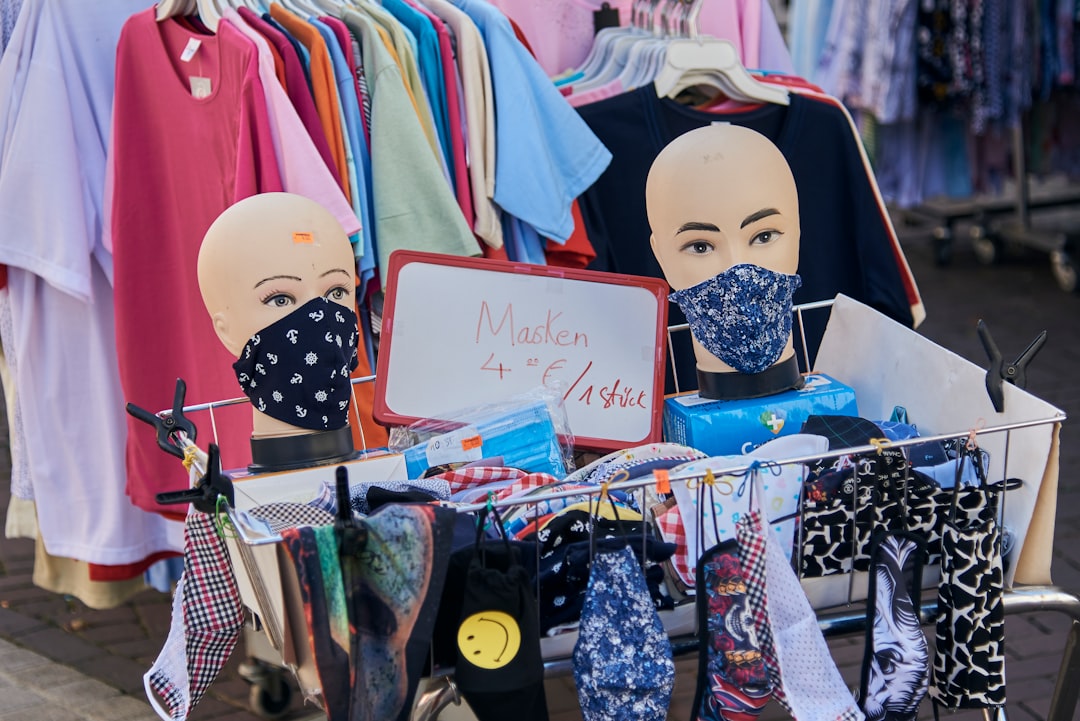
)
(562, 31)
(303, 171)
(178, 162)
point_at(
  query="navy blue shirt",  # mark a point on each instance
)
(845, 246)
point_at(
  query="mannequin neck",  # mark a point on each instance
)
(290, 453)
(732, 385)
(264, 426)
(279, 446)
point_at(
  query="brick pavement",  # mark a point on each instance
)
(62, 660)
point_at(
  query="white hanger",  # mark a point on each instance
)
(600, 52)
(300, 7)
(209, 14)
(624, 52)
(715, 62)
(249, 4)
(207, 10)
(173, 8)
(332, 8)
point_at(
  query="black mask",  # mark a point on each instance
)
(297, 369)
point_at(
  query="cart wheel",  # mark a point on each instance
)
(943, 245)
(271, 698)
(987, 249)
(1063, 267)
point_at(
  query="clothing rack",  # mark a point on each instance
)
(997, 223)
(253, 537)
(440, 690)
(849, 620)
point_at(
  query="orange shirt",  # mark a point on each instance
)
(369, 434)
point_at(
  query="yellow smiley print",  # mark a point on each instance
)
(489, 639)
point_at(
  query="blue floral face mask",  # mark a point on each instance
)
(742, 316)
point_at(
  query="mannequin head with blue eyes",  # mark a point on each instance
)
(262, 260)
(719, 197)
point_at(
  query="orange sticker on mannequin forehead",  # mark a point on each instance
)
(303, 238)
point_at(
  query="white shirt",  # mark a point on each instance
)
(53, 136)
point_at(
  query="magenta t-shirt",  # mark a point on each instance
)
(178, 162)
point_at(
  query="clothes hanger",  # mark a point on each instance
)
(209, 13)
(600, 52)
(253, 5)
(715, 62)
(332, 8)
(300, 7)
(624, 51)
(646, 57)
(173, 8)
(647, 67)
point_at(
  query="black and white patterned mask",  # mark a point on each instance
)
(742, 316)
(297, 369)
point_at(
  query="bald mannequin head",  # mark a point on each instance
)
(721, 196)
(264, 258)
(268, 255)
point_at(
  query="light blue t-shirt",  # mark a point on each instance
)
(359, 171)
(429, 58)
(545, 154)
(522, 242)
(807, 27)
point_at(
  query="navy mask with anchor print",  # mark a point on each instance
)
(297, 369)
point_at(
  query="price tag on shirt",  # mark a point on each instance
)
(190, 49)
(461, 445)
(200, 87)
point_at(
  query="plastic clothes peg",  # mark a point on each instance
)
(1015, 372)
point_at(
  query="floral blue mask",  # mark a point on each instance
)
(742, 316)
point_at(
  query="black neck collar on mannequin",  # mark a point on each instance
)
(736, 386)
(289, 453)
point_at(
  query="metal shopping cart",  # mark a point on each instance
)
(271, 594)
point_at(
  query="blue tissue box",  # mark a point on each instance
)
(734, 427)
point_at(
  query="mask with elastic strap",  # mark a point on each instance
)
(296, 370)
(622, 660)
(207, 616)
(742, 315)
(499, 668)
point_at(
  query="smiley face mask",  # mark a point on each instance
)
(499, 668)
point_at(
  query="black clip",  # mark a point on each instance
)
(351, 537)
(1015, 372)
(170, 424)
(605, 17)
(204, 494)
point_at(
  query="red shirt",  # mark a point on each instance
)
(178, 162)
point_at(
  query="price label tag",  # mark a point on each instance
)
(461, 445)
(190, 49)
(200, 87)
